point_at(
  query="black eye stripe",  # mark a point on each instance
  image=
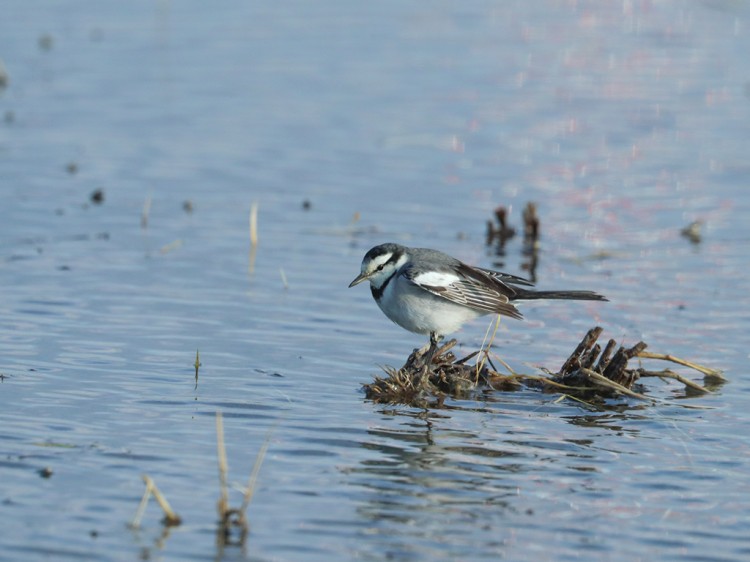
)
(394, 258)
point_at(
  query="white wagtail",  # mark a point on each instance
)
(429, 292)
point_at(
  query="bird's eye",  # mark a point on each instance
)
(380, 267)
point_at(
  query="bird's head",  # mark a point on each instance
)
(380, 263)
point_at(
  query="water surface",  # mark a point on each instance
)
(397, 121)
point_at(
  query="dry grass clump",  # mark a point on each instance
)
(417, 383)
(591, 373)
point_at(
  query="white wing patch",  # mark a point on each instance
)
(436, 279)
(468, 287)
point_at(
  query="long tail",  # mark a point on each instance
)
(526, 294)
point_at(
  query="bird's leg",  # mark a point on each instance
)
(429, 356)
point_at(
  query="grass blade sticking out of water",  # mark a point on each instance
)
(171, 519)
(283, 279)
(485, 351)
(221, 454)
(234, 520)
(253, 237)
(145, 212)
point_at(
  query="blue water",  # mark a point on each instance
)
(397, 121)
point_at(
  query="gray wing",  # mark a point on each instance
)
(505, 277)
(480, 289)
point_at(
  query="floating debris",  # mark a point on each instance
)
(174, 245)
(693, 232)
(71, 168)
(97, 196)
(45, 42)
(590, 374)
(187, 206)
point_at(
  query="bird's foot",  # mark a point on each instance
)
(434, 342)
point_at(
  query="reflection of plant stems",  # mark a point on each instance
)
(197, 366)
(223, 506)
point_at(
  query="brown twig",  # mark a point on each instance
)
(221, 452)
(171, 519)
(709, 373)
(235, 518)
(602, 380)
(669, 374)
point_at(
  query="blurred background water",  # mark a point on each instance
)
(350, 125)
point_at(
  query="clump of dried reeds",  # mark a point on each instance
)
(590, 373)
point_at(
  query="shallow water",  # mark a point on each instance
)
(624, 122)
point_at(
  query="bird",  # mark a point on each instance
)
(429, 292)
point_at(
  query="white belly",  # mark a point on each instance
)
(420, 311)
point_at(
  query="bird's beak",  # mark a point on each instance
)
(358, 279)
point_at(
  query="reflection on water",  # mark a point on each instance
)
(426, 480)
(622, 122)
(416, 484)
(432, 490)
